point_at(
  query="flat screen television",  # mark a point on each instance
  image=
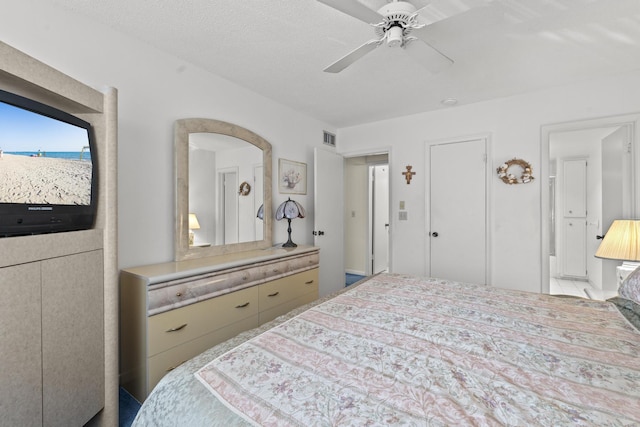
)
(48, 169)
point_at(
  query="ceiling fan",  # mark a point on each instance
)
(400, 24)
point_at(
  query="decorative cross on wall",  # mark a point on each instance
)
(408, 174)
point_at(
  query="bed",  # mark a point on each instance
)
(398, 349)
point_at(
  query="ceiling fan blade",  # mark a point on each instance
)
(427, 56)
(356, 9)
(352, 56)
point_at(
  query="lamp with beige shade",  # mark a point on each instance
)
(193, 225)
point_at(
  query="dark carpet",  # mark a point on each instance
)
(350, 279)
(129, 408)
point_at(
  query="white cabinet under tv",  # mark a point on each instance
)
(52, 338)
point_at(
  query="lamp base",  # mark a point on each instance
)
(289, 243)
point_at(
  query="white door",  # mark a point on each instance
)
(328, 225)
(575, 188)
(574, 224)
(230, 210)
(457, 211)
(380, 218)
(574, 260)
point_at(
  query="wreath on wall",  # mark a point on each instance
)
(510, 178)
(245, 189)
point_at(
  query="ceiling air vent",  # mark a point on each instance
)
(329, 139)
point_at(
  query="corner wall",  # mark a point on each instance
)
(514, 124)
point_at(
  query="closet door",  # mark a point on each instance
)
(575, 244)
(457, 211)
(72, 338)
(20, 340)
(575, 188)
(574, 259)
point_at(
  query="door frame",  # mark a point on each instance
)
(370, 217)
(630, 120)
(487, 137)
(373, 152)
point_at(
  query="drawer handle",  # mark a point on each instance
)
(179, 294)
(275, 270)
(274, 294)
(177, 329)
(174, 367)
(242, 305)
(309, 282)
(245, 277)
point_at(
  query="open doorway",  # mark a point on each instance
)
(589, 170)
(378, 218)
(366, 216)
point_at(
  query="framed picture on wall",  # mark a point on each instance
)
(292, 177)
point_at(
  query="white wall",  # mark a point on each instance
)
(515, 127)
(356, 211)
(155, 89)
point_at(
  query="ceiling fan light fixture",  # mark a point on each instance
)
(394, 36)
(394, 24)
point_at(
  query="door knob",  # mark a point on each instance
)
(599, 237)
(434, 234)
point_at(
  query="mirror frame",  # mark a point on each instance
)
(182, 129)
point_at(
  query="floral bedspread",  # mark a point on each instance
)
(403, 350)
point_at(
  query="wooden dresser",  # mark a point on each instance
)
(172, 312)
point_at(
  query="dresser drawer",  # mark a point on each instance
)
(285, 307)
(175, 327)
(170, 295)
(163, 363)
(288, 288)
(274, 270)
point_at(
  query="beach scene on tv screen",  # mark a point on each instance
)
(43, 160)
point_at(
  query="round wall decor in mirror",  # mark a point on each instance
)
(245, 189)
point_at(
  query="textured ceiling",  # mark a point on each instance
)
(279, 48)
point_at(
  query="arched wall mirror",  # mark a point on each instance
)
(223, 177)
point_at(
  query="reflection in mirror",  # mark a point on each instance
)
(223, 177)
(226, 209)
